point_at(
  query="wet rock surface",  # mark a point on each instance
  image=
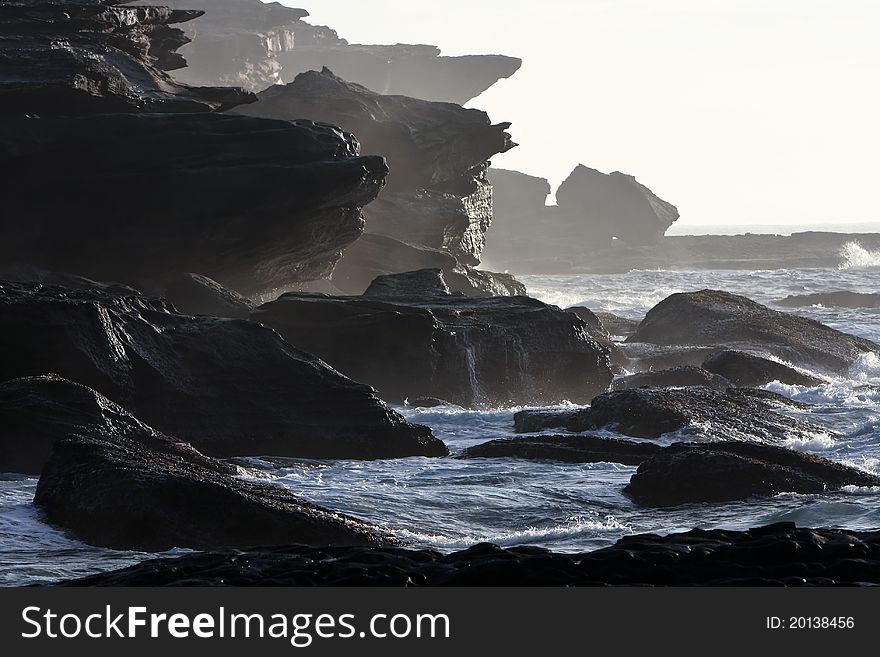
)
(750, 371)
(735, 414)
(193, 294)
(722, 472)
(156, 494)
(619, 326)
(251, 203)
(230, 387)
(97, 56)
(840, 299)
(408, 337)
(712, 317)
(684, 376)
(565, 449)
(775, 555)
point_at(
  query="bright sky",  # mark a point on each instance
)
(738, 111)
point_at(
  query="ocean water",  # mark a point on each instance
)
(450, 503)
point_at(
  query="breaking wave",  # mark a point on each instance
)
(854, 256)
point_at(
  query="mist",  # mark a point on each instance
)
(745, 113)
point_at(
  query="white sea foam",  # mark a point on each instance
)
(854, 256)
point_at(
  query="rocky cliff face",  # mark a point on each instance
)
(254, 45)
(437, 197)
(595, 214)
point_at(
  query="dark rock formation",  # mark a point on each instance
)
(36, 412)
(721, 472)
(736, 414)
(779, 554)
(252, 203)
(156, 494)
(92, 56)
(618, 326)
(566, 449)
(676, 377)
(254, 45)
(193, 294)
(230, 387)
(644, 357)
(841, 299)
(377, 255)
(596, 215)
(409, 338)
(711, 317)
(30, 274)
(598, 332)
(750, 371)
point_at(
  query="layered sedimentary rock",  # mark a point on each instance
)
(712, 317)
(735, 414)
(90, 56)
(152, 493)
(410, 338)
(779, 554)
(594, 212)
(721, 472)
(437, 196)
(230, 387)
(252, 203)
(252, 44)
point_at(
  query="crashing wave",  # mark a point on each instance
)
(854, 256)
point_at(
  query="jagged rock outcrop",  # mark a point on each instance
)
(192, 294)
(722, 472)
(254, 45)
(438, 194)
(684, 376)
(839, 299)
(595, 216)
(779, 554)
(156, 494)
(565, 449)
(750, 371)
(230, 387)
(251, 203)
(712, 317)
(735, 414)
(38, 411)
(409, 338)
(93, 56)
(372, 256)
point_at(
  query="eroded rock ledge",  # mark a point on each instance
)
(775, 555)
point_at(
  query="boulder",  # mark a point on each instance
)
(617, 325)
(722, 472)
(642, 357)
(252, 203)
(649, 413)
(93, 56)
(598, 332)
(676, 377)
(438, 194)
(38, 411)
(712, 317)
(776, 555)
(565, 449)
(408, 337)
(750, 371)
(840, 299)
(230, 387)
(155, 494)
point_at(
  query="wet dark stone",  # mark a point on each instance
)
(750, 371)
(193, 294)
(840, 299)
(675, 377)
(565, 449)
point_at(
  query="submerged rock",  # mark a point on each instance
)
(722, 472)
(712, 317)
(735, 414)
(780, 554)
(408, 337)
(93, 56)
(251, 203)
(676, 377)
(230, 387)
(38, 411)
(840, 299)
(565, 449)
(156, 494)
(750, 371)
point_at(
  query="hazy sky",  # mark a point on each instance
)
(738, 111)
